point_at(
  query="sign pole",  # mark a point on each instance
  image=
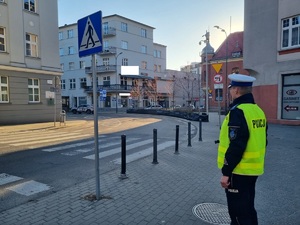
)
(90, 43)
(96, 127)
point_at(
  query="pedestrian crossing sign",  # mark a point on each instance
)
(90, 34)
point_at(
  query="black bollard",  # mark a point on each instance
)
(176, 140)
(200, 129)
(123, 157)
(154, 147)
(189, 135)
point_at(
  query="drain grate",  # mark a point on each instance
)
(213, 213)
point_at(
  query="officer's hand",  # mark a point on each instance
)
(224, 181)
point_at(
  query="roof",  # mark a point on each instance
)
(235, 45)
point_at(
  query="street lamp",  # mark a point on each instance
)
(226, 64)
(206, 41)
(116, 62)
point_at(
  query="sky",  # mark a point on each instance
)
(179, 25)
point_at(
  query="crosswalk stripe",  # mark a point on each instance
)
(59, 148)
(34, 138)
(118, 150)
(51, 140)
(146, 152)
(29, 188)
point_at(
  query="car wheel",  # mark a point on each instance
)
(74, 111)
(88, 111)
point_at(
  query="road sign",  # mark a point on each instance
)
(217, 67)
(90, 34)
(218, 78)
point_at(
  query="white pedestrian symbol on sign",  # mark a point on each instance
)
(90, 37)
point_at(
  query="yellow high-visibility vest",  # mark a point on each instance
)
(252, 162)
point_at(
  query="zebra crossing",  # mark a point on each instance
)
(136, 148)
(21, 186)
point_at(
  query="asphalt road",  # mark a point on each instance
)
(44, 161)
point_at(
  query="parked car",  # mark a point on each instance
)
(89, 109)
(154, 107)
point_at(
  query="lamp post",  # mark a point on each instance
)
(206, 41)
(226, 64)
(116, 62)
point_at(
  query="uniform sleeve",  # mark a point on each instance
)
(238, 135)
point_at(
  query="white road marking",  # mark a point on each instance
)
(118, 150)
(50, 140)
(29, 188)
(146, 152)
(6, 178)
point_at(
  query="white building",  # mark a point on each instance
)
(29, 61)
(125, 43)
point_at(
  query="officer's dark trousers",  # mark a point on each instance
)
(240, 199)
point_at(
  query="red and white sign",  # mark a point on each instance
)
(218, 78)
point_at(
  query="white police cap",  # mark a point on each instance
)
(240, 80)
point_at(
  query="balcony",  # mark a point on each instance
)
(109, 31)
(101, 69)
(109, 51)
(110, 88)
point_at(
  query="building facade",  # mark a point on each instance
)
(272, 56)
(125, 43)
(29, 62)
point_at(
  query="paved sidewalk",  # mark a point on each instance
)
(176, 191)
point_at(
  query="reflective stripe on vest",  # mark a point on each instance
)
(252, 162)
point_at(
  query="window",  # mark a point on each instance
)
(219, 94)
(30, 5)
(105, 61)
(72, 83)
(291, 32)
(33, 90)
(70, 33)
(235, 70)
(144, 49)
(63, 84)
(1, 1)
(105, 28)
(61, 52)
(71, 50)
(124, 62)
(155, 68)
(31, 45)
(82, 100)
(158, 54)
(60, 35)
(71, 65)
(62, 66)
(124, 27)
(82, 64)
(82, 82)
(159, 68)
(144, 33)
(124, 45)
(4, 89)
(2, 39)
(144, 65)
(106, 81)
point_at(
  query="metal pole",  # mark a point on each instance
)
(176, 139)
(206, 72)
(189, 135)
(226, 63)
(154, 147)
(116, 62)
(200, 129)
(96, 127)
(219, 108)
(123, 157)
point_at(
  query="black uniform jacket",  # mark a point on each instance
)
(238, 134)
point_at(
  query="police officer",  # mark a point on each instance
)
(241, 152)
